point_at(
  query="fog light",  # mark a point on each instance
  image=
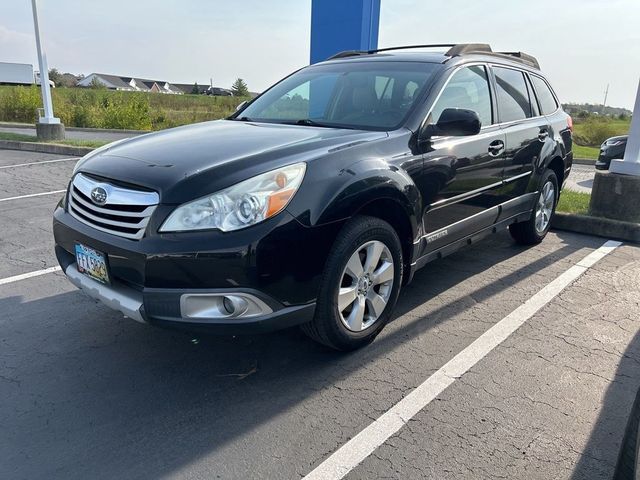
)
(228, 305)
(218, 306)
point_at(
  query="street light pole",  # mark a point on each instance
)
(48, 126)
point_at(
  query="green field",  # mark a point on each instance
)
(588, 153)
(590, 132)
(574, 202)
(101, 108)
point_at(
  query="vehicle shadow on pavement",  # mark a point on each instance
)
(93, 395)
(599, 457)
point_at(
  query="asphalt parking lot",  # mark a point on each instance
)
(581, 178)
(86, 393)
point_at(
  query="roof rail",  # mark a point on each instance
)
(462, 48)
(348, 53)
(522, 57)
(454, 49)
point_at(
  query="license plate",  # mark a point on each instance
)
(92, 263)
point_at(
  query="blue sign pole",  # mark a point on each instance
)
(338, 25)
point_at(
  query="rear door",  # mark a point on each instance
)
(462, 175)
(526, 129)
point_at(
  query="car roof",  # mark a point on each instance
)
(459, 54)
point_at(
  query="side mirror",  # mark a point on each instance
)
(457, 122)
(241, 106)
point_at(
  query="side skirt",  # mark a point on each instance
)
(468, 240)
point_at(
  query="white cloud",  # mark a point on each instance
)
(16, 46)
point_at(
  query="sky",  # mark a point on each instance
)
(582, 45)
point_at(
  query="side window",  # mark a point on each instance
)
(546, 99)
(513, 96)
(469, 89)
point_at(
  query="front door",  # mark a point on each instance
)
(462, 175)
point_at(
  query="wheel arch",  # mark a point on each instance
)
(392, 212)
(557, 165)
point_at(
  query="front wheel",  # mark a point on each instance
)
(360, 285)
(536, 228)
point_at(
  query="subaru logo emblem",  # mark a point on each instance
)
(99, 196)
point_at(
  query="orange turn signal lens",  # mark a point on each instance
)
(278, 200)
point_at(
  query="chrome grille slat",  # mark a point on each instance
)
(87, 213)
(126, 213)
(81, 202)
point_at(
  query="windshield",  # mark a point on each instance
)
(362, 95)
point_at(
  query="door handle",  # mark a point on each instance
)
(496, 147)
(543, 135)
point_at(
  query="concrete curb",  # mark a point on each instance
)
(45, 148)
(584, 161)
(601, 227)
(75, 129)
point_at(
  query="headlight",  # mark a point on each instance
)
(241, 205)
(614, 143)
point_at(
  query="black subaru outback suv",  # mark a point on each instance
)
(315, 202)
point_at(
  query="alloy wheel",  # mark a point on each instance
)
(365, 286)
(544, 208)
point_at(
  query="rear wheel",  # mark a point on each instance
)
(360, 285)
(536, 228)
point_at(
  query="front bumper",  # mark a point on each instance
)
(130, 302)
(603, 162)
(279, 262)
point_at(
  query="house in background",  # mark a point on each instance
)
(129, 84)
(189, 87)
(133, 84)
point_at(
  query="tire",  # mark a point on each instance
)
(628, 467)
(533, 231)
(339, 324)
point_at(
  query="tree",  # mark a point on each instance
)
(239, 88)
(55, 76)
(195, 90)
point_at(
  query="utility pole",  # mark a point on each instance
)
(606, 94)
(48, 126)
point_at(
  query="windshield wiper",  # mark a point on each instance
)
(242, 119)
(311, 123)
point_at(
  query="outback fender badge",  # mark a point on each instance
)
(437, 236)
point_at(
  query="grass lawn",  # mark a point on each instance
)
(574, 202)
(18, 137)
(588, 153)
(102, 108)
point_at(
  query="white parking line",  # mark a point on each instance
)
(347, 457)
(31, 195)
(38, 163)
(24, 276)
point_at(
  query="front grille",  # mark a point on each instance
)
(125, 213)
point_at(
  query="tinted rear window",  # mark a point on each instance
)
(546, 99)
(513, 95)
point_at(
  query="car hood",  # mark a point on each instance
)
(615, 139)
(188, 162)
